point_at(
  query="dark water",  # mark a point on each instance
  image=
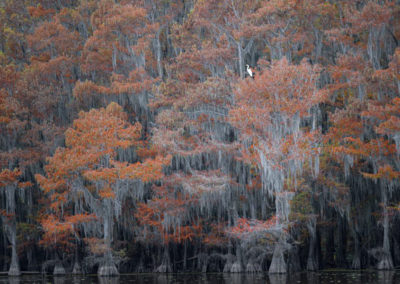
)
(363, 277)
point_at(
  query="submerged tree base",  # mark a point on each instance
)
(108, 270)
(163, 268)
(278, 264)
(386, 263)
(356, 264)
(236, 267)
(253, 268)
(14, 271)
(77, 269)
(59, 269)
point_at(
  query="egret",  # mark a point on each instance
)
(249, 71)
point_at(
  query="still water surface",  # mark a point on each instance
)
(364, 277)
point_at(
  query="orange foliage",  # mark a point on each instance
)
(278, 97)
(39, 11)
(8, 176)
(246, 227)
(57, 234)
(90, 153)
(385, 172)
(155, 215)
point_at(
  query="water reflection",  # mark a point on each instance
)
(277, 278)
(163, 278)
(108, 280)
(313, 278)
(59, 280)
(14, 280)
(76, 279)
(386, 276)
(238, 278)
(346, 276)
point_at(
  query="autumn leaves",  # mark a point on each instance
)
(84, 174)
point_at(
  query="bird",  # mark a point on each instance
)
(249, 71)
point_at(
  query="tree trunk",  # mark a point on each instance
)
(356, 263)
(241, 62)
(11, 230)
(14, 267)
(330, 248)
(77, 268)
(278, 264)
(342, 243)
(228, 264)
(165, 266)
(59, 269)
(114, 58)
(237, 265)
(107, 268)
(185, 256)
(312, 260)
(158, 55)
(386, 262)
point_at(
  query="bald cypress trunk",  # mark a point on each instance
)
(241, 62)
(385, 262)
(342, 242)
(330, 247)
(10, 228)
(107, 268)
(14, 266)
(278, 264)
(312, 260)
(356, 263)
(159, 55)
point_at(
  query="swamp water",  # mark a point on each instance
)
(342, 276)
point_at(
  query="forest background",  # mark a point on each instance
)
(133, 139)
